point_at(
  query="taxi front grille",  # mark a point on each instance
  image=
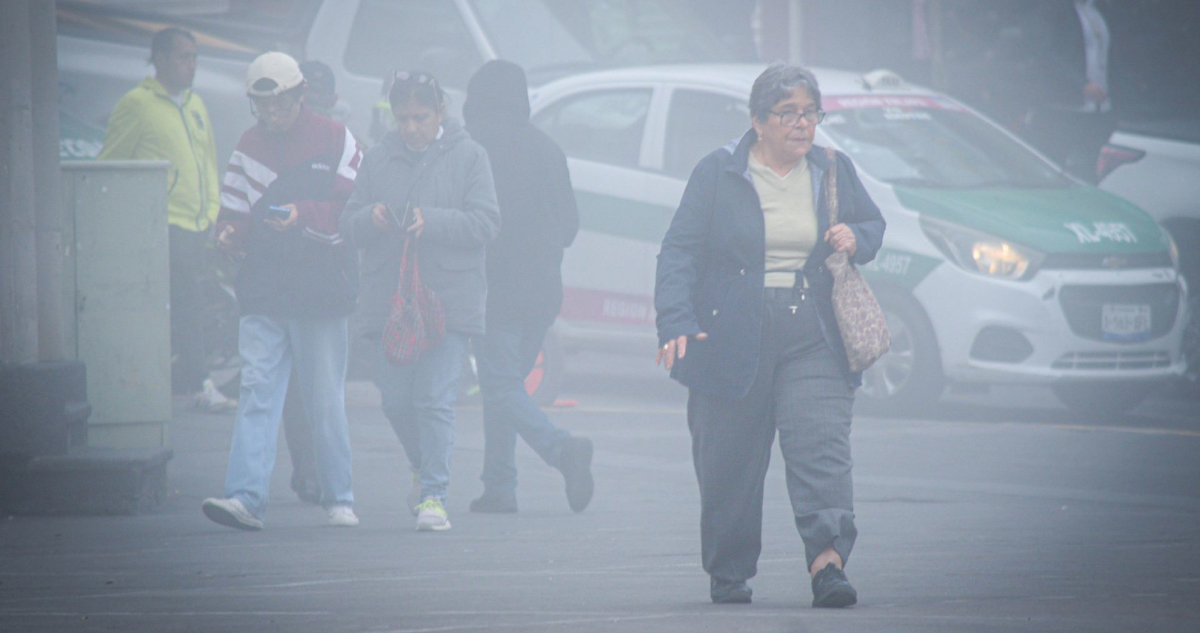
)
(1084, 306)
(1093, 261)
(1113, 361)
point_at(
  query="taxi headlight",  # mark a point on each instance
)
(999, 259)
(979, 252)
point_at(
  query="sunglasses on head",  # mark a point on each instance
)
(419, 78)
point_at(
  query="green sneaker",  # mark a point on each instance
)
(431, 516)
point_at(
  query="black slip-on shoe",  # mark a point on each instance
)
(727, 592)
(831, 589)
(575, 462)
(494, 504)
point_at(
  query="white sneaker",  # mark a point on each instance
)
(230, 513)
(414, 493)
(211, 400)
(431, 516)
(342, 516)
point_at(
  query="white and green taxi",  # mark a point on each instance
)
(996, 267)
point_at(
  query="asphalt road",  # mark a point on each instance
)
(1002, 512)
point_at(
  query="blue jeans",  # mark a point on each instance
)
(418, 400)
(504, 357)
(269, 347)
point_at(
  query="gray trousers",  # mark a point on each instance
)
(801, 393)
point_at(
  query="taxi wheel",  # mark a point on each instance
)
(909, 376)
(1103, 401)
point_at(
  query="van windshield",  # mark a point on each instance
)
(555, 38)
(931, 142)
(234, 27)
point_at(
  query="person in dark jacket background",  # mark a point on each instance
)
(320, 96)
(1072, 118)
(533, 188)
(430, 182)
(747, 324)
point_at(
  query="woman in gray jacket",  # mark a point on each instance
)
(429, 175)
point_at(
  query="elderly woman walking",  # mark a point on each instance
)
(746, 322)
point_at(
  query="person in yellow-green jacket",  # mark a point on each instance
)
(162, 119)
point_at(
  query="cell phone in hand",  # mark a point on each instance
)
(279, 213)
(404, 219)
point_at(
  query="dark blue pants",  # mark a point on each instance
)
(187, 309)
(801, 393)
(504, 357)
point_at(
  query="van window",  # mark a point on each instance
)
(527, 33)
(553, 38)
(604, 126)
(239, 28)
(424, 35)
(698, 123)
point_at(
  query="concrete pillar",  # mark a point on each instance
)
(18, 251)
(46, 174)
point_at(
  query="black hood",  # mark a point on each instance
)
(496, 94)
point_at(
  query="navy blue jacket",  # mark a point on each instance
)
(711, 267)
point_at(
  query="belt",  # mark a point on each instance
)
(791, 298)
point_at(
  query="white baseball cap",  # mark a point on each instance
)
(272, 73)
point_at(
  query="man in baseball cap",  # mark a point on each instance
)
(283, 194)
(275, 86)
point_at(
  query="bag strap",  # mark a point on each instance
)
(408, 273)
(831, 197)
(405, 272)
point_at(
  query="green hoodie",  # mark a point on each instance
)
(147, 125)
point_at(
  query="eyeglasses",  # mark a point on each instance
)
(282, 101)
(792, 118)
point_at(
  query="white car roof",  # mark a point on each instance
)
(738, 77)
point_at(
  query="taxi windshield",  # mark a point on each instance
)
(931, 142)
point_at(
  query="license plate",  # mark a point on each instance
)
(1124, 320)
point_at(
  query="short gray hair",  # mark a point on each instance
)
(776, 83)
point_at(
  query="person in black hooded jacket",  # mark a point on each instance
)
(533, 188)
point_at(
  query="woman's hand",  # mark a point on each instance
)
(379, 215)
(676, 349)
(418, 223)
(841, 238)
(286, 223)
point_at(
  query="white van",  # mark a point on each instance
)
(103, 45)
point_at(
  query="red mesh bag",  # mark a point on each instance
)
(416, 322)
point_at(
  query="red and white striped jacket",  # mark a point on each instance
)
(307, 269)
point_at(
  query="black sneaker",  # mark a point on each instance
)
(575, 462)
(831, 589)
(494, 504)
(727, 592)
